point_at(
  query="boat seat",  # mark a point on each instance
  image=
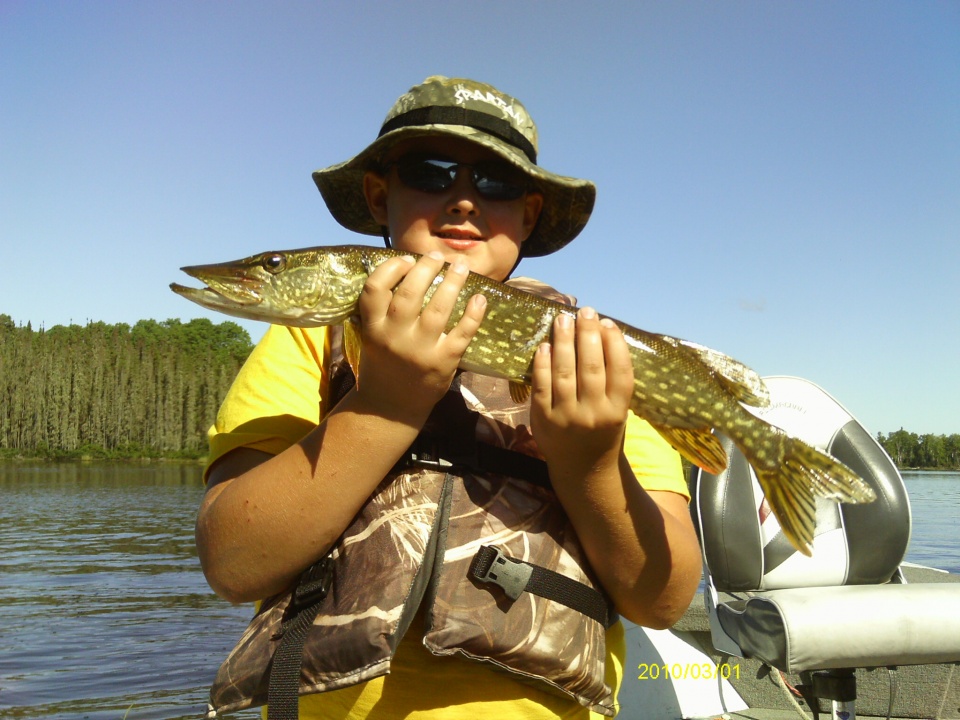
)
(847, 605)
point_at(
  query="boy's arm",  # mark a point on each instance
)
(266, 518)
(641, 544)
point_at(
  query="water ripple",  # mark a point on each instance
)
(106, 611)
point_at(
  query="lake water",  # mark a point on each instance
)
(106, 613)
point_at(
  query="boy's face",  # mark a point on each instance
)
(458, 222)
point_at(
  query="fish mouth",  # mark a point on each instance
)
(208, 297)
(225, 287)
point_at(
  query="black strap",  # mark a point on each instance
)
(491, 458)
(458, 115)
(449, 438)
(515, 576)
(431, 452)
(283, 688)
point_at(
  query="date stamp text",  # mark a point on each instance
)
(688, 671)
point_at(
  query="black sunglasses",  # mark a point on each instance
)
(493, 180)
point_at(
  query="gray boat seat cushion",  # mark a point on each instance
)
(848, 626)
(844, 606)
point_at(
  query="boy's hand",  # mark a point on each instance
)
(408, 361)
(582, 387)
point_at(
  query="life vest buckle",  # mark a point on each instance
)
(314, 584)
(311, 589)
(437, 453)
(426, 460)
(492, 566)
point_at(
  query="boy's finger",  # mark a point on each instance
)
(591, 369)
(409, 294)
(378, 288)
(541, 377)
(437, 312)
(564, 359)
(619, 362)
(462, 334)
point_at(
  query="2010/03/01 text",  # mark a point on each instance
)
(688, 671)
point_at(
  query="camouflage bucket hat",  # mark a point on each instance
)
(481, 114)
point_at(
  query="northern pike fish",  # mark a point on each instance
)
(684, 390)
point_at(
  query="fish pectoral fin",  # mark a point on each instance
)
(701, 447)
(519, 392)
(352, 346)
(804, 474)
(741, 381)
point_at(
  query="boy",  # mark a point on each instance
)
(295, 474)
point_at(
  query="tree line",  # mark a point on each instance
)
(153, 390)
(115, 391)
(922, 452)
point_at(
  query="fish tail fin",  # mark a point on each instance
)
(803, 474)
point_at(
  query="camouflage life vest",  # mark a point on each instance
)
(465, 529)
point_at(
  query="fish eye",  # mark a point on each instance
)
(274, 262)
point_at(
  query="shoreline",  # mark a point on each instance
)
(55, 457)
(93, 459)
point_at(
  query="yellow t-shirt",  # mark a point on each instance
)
(276, 399)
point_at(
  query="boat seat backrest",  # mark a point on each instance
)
(743, 547)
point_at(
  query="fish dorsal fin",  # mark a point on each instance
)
(742, 382)
(351, 346)
(701, 447)
(519, 392)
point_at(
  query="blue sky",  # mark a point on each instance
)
(777, 180)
